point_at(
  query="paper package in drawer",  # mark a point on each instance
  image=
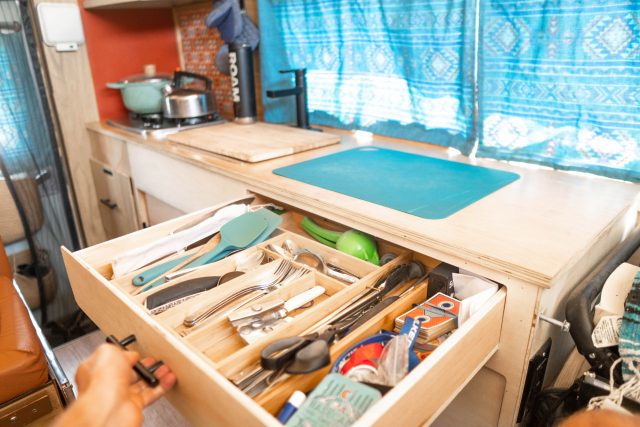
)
(439, 315)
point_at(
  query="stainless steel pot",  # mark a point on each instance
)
(183, 103)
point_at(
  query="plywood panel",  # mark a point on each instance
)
(74, 100)
(255, 142)
(117, 207)
(179, 184)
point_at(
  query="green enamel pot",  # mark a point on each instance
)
(142, 95)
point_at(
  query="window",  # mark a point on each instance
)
(558, 83)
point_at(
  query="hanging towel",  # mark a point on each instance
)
(249, 34)
(234, 26)
(227, 18)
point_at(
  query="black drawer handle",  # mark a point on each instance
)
(107, 171)
(108, 203)
(145, 373)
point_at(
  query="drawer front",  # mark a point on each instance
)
(200, 387)
(203, 364)
(177, 183)
(110, 151)
(431, 386)
(115, 198)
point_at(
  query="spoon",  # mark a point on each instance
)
(310, 259)
(277, 249)
(290, 250)
(244, 263)
(289, 246)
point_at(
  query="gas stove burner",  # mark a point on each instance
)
(190, 121)
(157, 126)
(152, 121)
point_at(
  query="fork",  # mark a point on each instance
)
(278, 276)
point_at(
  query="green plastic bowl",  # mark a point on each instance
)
(358, 244)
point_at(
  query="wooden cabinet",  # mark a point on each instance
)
(137, 185)
(182, 185)
(538, 237)
(115, 194)
(114, 189)
(205, 360)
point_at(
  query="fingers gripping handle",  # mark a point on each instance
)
(145, 373)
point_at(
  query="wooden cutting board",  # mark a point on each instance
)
(255, 142)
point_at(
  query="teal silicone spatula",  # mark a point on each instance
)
(268, 221)
(273, 221)
(238, 233)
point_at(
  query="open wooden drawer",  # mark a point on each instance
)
(205, 358)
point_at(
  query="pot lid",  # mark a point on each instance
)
(143, 78)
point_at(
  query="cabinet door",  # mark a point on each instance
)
(115, 195)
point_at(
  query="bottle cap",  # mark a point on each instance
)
(297, 398)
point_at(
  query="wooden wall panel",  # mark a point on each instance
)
(71, 86)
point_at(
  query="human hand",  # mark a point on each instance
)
(601, 418)
(110, 392)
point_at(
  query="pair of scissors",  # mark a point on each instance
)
(302, 354)
(308, 353)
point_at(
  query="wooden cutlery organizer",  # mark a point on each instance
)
(209, 357)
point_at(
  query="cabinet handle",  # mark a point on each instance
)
(146, 373)
(107, 171)
(108, 203)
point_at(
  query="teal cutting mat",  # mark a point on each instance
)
(419, 185)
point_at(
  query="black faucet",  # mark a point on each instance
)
(300, 91)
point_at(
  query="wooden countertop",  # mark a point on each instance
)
(542, 229)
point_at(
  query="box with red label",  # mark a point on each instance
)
(439, 315)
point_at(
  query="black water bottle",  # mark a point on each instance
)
(243, 90)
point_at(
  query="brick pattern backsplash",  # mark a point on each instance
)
(199, 46)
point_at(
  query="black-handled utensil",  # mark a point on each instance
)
(182, 290)
(385, 303)
(401, 274)
(299, 355)
(304, 354)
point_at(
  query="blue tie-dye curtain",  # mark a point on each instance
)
(559, 84)
(402, 68)
(14, 105)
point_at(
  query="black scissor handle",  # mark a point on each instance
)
(279, 353)
(310, 358)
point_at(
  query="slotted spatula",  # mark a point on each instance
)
(238, 233)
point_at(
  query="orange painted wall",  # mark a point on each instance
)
(120, 42)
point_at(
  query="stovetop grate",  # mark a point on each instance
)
(157, 126)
